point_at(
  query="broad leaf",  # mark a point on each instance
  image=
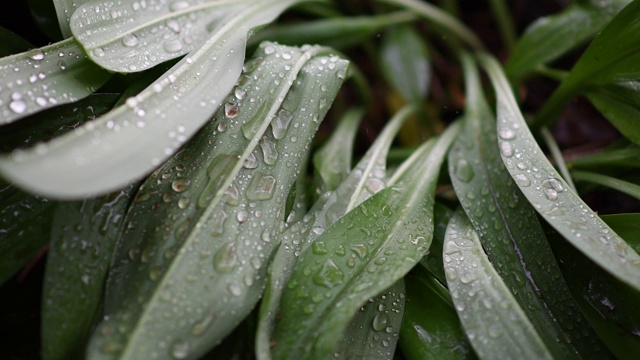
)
(373, 332)
(332, 161)
(356, 258)
(42, 78)
(621, 111)
(135, 138)
(550, 37)
(510, 232)
(493, 321)
(83, 237)
(128, 36)
(192, 261)
(549, 194)
(430, 326)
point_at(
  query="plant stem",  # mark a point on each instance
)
(557, 156)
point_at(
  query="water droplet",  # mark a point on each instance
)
(37, 55)
(183, 202)
(180, 349)
(130, 40)
(374, 185)
(269, 151)
(551, 194)
(319, 248)
(262, 187)
(329, 275)
(99, 52)
(522, 180)
(201, 326)
(217, 227)
(225, 259)
(217, 172)
(173, 25)
(235, 289)
(506, 133)
(506, 149)
(178, 5)
(242, 216)
(463, 170)
(18, 106)
(231, 110)
(280, 124)
(251, 162)
(380, 322)
(172, 46)
(180, 184)
(360, 250)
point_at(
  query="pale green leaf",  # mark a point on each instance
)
(550, 195)
(357, 258)
(192, 261)
(626, 187)
(41, 78)
(510, 232)
(135, 138)
(83, 237)
(126, 36)
(492, 319)
(333, 160)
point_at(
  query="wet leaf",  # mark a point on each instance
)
(373, 332)
(99, 156)
(492, 319)
(192, 261)
(83, 237)
(64, 9)
(430, 326)
(549, 194)
(433, 260)
(42, 78)
(548, 38)
(510, 233)
(356, 258)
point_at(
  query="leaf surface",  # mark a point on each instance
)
(42, 78)
(550, 195)
(192, 261)
(64, 10)
(493, 321)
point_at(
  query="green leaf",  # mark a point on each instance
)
(611, 52)
(357, 258)
(493, 321)
(367, 178)
(41, 78)
(430, 326)
(621, 155)
(510, 233)
(627, 226)
(550, 37)
(192, 261)
(405, 63)
(619, 110)
(99, 157)
(332, 161)
(83, 237)
(25, 223)
(626, 187)
(129, 36)
(549, 194)
(64, 9)
(612, 308)
(433, 260)
(373, 332)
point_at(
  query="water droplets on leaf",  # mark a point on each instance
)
(329, 275)
(262, 187)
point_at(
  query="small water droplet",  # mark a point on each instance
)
(506, 133)
(231, 110)
(180, 349)
(173, 25)
(37, 55)
(280, 124)
(522, 180)
(242, 216)
(251, 162)
(99, 52)
(180, 184)
(319, 248)
(235, 289)
(183, 203)
(178, 5)
(225, 259)
(18, 106)
(262, 187)
(463, 170)
(380, 322)
(172, 46)
(374, 185)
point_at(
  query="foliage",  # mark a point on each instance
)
(189, 203)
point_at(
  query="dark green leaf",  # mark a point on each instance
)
(627, 226)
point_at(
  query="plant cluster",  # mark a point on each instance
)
(185, 208)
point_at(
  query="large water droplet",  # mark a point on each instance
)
(217, 171)
(18, 106)
(360, 250)
(506, 133)
(172, 46)
(262, 187)
(522, 180)
(251, 162)
(130, 40)
(225, 259)
(380, 322)
(178, 5)
(180, 184)
(231, 110)
(374, 185)
(329, 275)
(319, 248)
(280, 124)
(506, 149)
(217, 227)
(463, 170)
(37, 55)
(269, 151)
